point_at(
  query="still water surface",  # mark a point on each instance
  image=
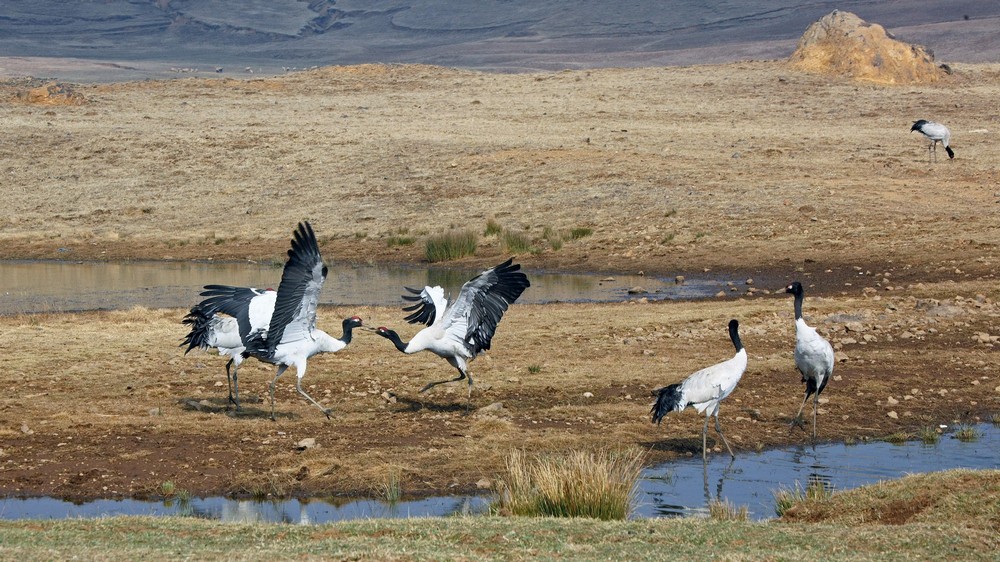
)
(62, 286)
(681, 488)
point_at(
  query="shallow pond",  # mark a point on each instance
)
(675, 489)
(64, 286)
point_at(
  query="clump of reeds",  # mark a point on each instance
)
(897, 438)
(726, 511)
(391, 489)
(514, 242)
(451, 245)
(599, 485)
(967, 433)
(784, 498)
(493, 228)
(929, 435)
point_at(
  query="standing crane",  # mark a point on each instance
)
(460, 332)
(813, 357)
(937, 133)
(244, 311)
(704, 390)
(291, 337)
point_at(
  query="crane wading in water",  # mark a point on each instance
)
(704, 390)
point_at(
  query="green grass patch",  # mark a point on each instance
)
(514, 242)
(898, 438)
(580, 232)
(967, 433)
(928, 435)
(451, 245)
(390, 490)
(534, 369)
(399, 240)
(600, 485)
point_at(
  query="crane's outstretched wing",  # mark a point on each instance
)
(481, 304)
(235, 301)
(298, 294)
(430, 305)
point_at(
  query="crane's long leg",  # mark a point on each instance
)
(281, 369)
(298, 385)
(797, 420)
(815, 405)
(718, 428)
(704, 438)
(454, 362)
(229, 381)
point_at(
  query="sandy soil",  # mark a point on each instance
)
(749, 169)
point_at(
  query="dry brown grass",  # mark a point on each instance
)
(771, 163)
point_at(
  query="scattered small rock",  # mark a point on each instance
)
(679, 280)
(492, 408)
(892, 401)
(307, 443)
(25, 429)
(893, 415)
(389, 397)
(484, 484)
(588, 394)
(636, 291)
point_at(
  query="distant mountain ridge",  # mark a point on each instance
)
(156, 36)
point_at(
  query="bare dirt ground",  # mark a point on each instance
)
(750, 170)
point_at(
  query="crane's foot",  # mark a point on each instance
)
(799, 422)
(328, 411)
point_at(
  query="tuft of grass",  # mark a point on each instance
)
(929, 435)
(850, 441)
(493, 228)
(168, 489)
(670, 213)
(360, 234)
(599, 485)
(967, 433)
(897, 438)
(580, 232)
(785, 499)
(399, 240)
(668, 238)
(995, 420)
(451, 245)
(516, 242)
(534, 369)
(725, 511)
(391, 489)
(554, 238)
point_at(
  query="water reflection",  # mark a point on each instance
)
(677, 489)
(59, 286)
(301, 512)
(684, 487)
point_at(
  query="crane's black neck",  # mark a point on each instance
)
(348, 330)
(798, 304)
(734, 334)
(392, 336)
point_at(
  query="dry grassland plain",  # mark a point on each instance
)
(745, 171)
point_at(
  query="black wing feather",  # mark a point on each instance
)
(234, 301)
(505, 283)
(302, 259)
(425, 309)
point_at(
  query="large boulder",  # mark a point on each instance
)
(841, 43)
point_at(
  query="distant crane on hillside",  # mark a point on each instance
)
(937, 133)
(704, 390)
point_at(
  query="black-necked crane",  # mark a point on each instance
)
(704, 390)
(460, 332)
(292, 337)
(813, 356)
(244, 311)
(937, 133)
